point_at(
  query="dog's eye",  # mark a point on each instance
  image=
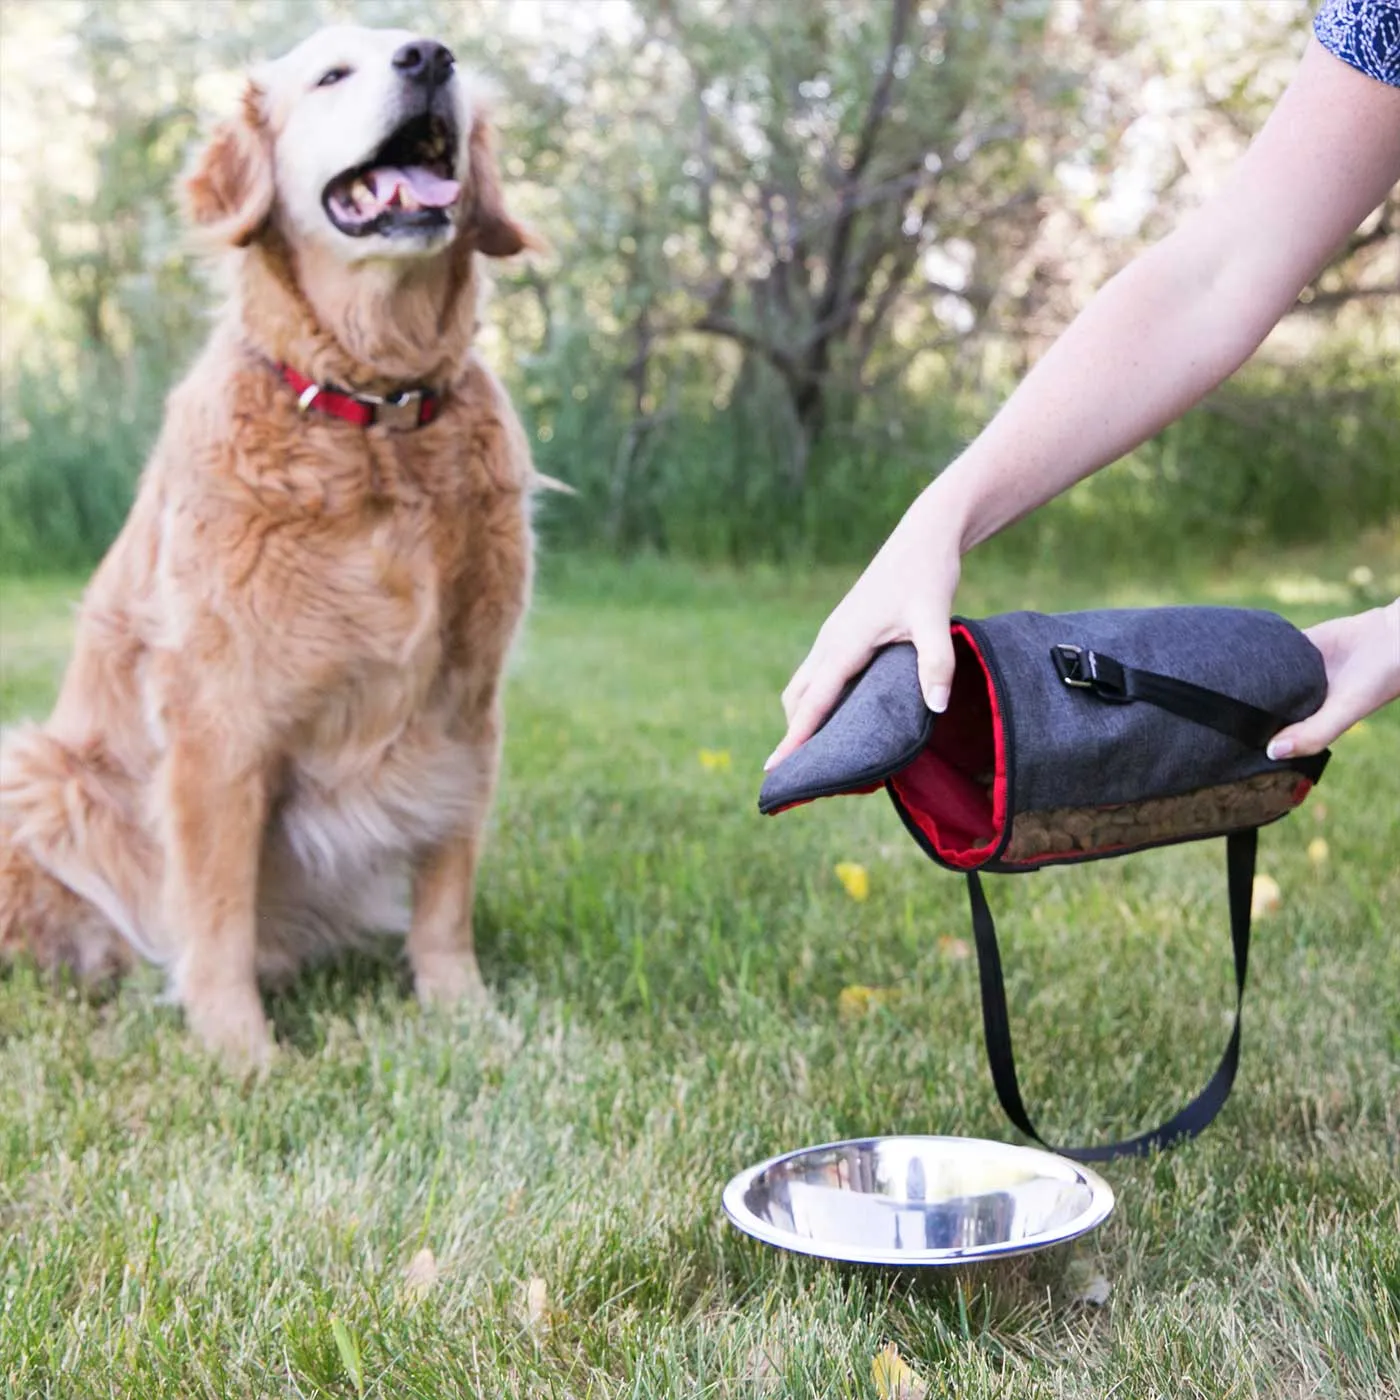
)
(332, 76)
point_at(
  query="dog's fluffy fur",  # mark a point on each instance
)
(281, 723)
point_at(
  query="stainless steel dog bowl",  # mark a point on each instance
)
(914, 1201)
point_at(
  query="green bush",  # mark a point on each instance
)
(1275, 456)
(71, 448)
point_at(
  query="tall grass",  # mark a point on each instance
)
(72, 442)
(1275, 457)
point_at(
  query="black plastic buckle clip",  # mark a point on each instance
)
(1082, 669)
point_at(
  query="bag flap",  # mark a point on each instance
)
(878, 727)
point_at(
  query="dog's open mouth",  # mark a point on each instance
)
(406, 186)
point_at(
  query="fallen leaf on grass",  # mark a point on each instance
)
(421, 1274)
(537, 1304)
(856, 1001)
(765, 1366)
(954, 949)
(855, 879)
(894, 1377)
(1266, 897)
(715, 760)
(1318, 851)
(1087, 1283)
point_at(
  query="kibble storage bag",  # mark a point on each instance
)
(1072, 738)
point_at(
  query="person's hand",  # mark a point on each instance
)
(904, 595)
(1362, 655)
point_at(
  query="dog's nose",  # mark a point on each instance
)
(424, 61)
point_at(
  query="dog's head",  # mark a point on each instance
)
(365, 142)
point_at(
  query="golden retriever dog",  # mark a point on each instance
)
(280, 728)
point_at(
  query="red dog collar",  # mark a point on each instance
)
(409, 408)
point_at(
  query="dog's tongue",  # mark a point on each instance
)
(429, 189)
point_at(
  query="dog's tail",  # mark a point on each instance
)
(77, 873)
(540, 482)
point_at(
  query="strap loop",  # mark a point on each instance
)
(1241, 851)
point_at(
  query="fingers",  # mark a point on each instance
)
(796, 688)
(1362, 655)
(817, 683)
(1310, 736)
(811, 693)
(934, 643)
(1325, 726)
(1338, 713)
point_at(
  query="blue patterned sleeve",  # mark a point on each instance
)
(1363, 33)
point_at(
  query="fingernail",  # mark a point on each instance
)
(771, 759)
(937, 698)
(1279, 748)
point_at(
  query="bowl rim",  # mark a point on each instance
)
(1099, 1208)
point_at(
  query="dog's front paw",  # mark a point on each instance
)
(449, 979)
(233, 1026)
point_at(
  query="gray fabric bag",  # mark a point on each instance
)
(1078, 737)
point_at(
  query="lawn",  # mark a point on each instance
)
(668, 969)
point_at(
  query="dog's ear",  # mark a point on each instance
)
(495, 233)
(229, 193)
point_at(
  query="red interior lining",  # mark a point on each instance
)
(955, 791)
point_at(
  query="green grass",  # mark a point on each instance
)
(667, 967)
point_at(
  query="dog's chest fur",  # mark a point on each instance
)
(387, 759)
(377, 580)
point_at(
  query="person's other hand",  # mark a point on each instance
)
(1362, 655)
(904, 595)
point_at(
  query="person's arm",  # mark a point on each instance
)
(1154, 341)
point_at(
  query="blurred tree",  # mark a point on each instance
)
(798, 249)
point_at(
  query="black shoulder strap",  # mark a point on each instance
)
(1083, 669)
(1241, 850)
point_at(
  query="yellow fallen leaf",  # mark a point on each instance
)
(855, 1001)
(855, 879)
(421, 1274)
(765, 1366)
(537, 1303)
(715, 760)
(894, 1377)
(1266, 898)
(954, 949)
(1087, 1283)
(1318, 851)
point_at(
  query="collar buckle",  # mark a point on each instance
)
(399, 411)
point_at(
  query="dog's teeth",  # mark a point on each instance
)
(359, 192)
(407, 198)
